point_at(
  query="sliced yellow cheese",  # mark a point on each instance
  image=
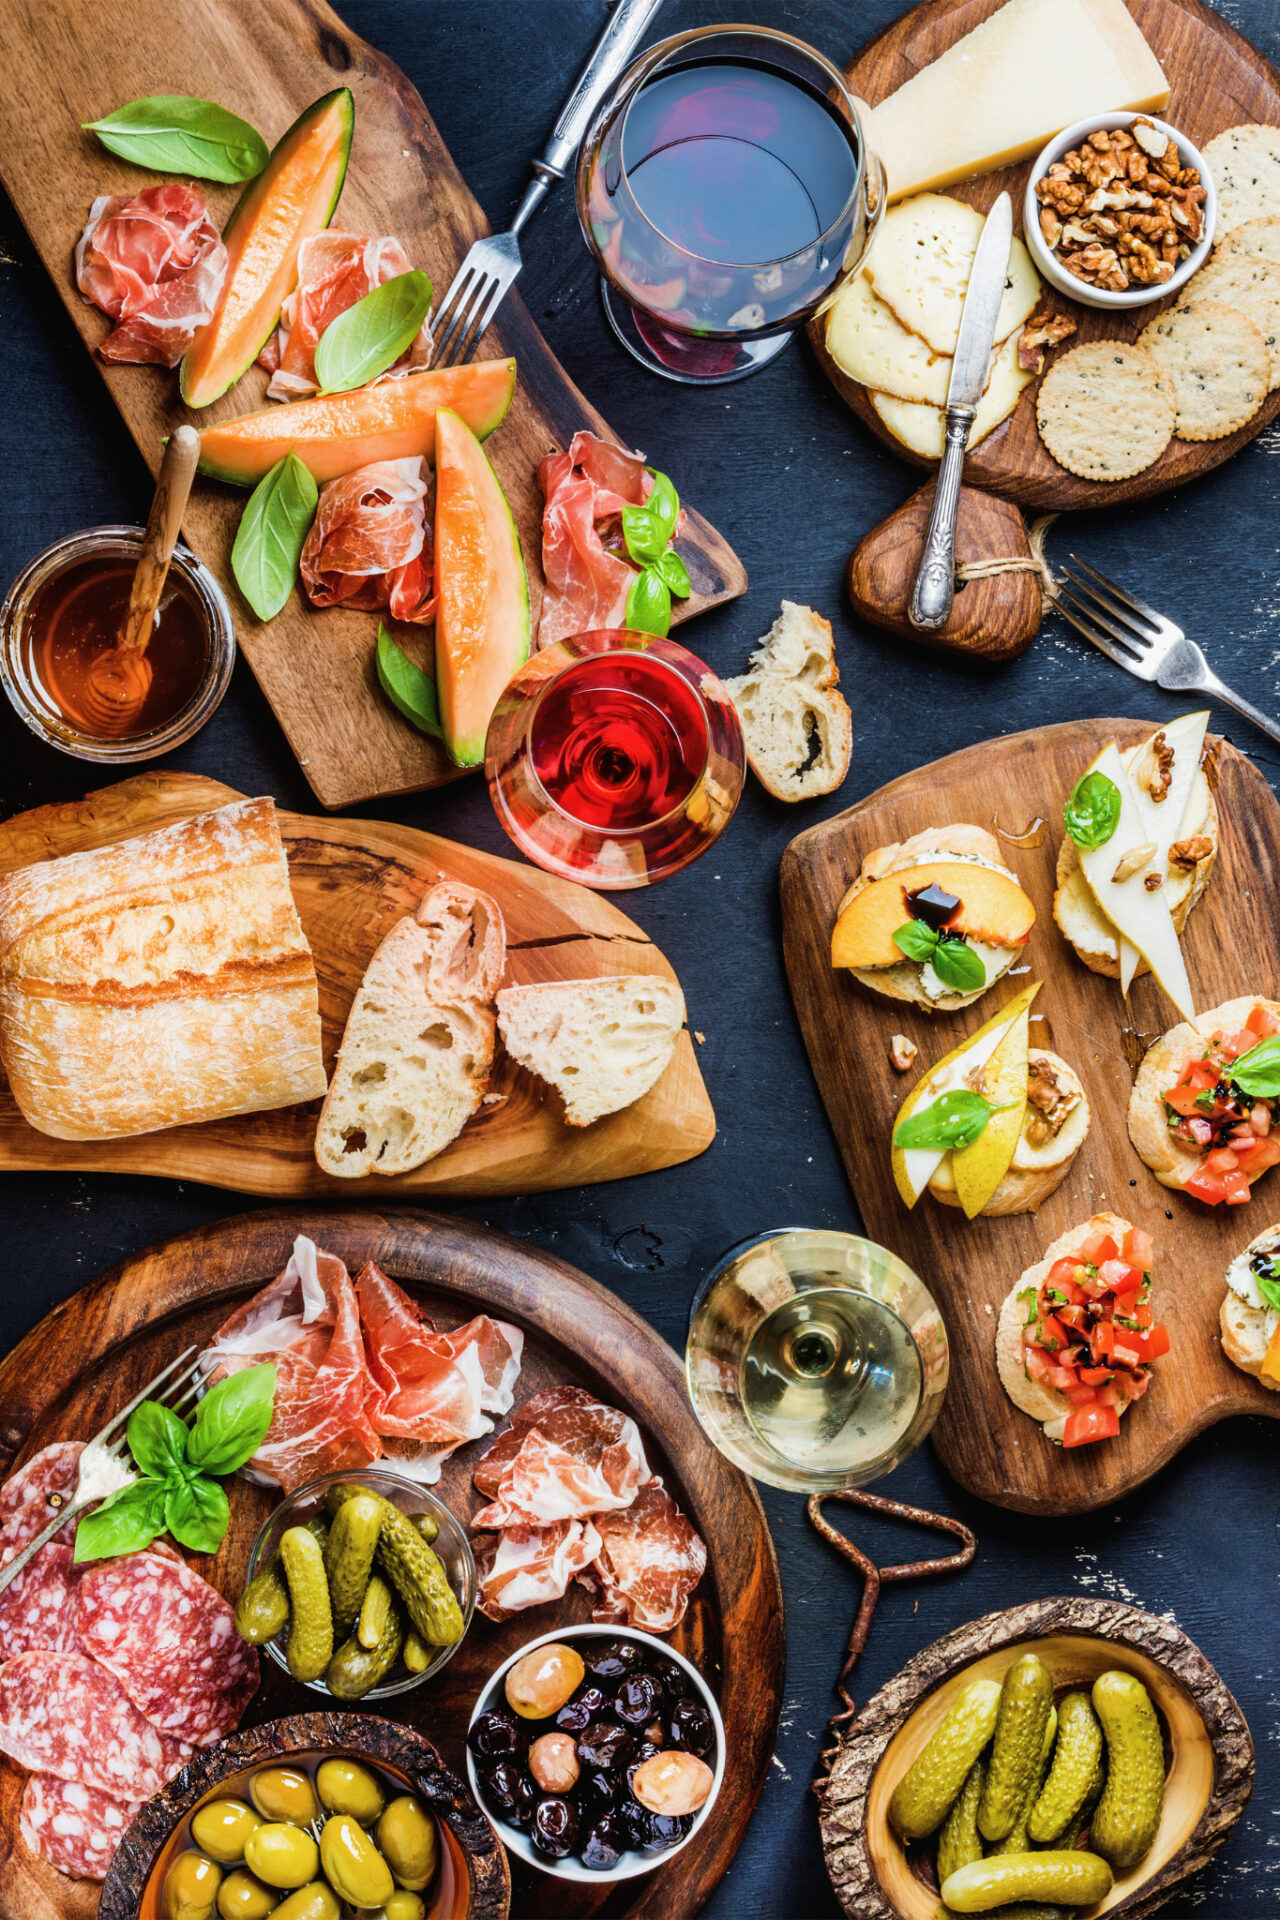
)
(920, 264)
(1002, 91)
(1137, 915)
(1164, 818)
(914, 1167)
(868, 342)
(924, 429)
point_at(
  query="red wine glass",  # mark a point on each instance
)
(614, 758)
(727, 190)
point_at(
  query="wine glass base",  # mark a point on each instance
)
(710, 363)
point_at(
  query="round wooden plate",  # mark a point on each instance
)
(1217, 80)
(1209, 1778)
(98, 1349)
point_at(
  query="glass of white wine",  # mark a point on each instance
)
(816, 1359)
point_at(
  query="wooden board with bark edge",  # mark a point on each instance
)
(1232, 946)
(64, 62)
(1152, 1646)
(352, 879)
(91, 1354)
(1216, 80)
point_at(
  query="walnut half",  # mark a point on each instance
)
(1189, 853)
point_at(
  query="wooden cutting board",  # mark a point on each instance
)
(352, 880)
(98, 1349)
(1232, 945)
(1217, 80)
(64, 62)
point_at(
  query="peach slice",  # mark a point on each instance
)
(993, 909)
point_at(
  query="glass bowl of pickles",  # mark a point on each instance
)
(359, 1586)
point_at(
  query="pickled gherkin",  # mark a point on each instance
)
(262, 1610)
(375, 1610)
(310, 1645)
(1017, 1746)
(348, 1558)
(1059, 1877)
(929, 1788)
(417, 1573)
(1126, 1817)
(416, 1654)
(354, 1669)
(1016, 1840)
(959, 1841)
(1075, 1763)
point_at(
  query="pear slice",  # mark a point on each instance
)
(979, 1168)
(1139, 916)
(914, 1167)
(1164, 818)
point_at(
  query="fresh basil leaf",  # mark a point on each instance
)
(671, 568)
(953, 1121)
(644, 538)
(649, 604)
(232, 1420)
(197, 1511)
(1269, 1287)
(1092, 814)
(272, 533)
(370, 337)
(958, 966)
(917, 940)
(411, 691)
(1257, 1072)
(126, 1523)
(177, 133)
(663, 505)
(157, 1439)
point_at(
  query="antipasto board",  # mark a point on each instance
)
(352, 879)
(270, 62)
(1232, 946)
(104, 1343)
(1217, 80)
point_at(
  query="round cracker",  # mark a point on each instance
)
(1245, 165)
(1217, 362)
(1105, 410)
(1256, 238)
(1251, 284)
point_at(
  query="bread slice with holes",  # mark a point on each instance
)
(798, 729)
(600, 1043)
(417, 1052)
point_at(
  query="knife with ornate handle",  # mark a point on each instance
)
(934, 586)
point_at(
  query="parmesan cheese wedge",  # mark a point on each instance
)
(1139, 916)
(1164, 818)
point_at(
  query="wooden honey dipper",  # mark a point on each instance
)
(119, 679)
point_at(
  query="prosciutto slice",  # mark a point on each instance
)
(585, 490)
(565, 1455)
(527, 1566)
(335, 269)
(155, 262)
(307, 1322)
(369, 546)
(650, 1560)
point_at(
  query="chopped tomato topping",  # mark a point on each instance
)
(1098, 1247)
(1262, 1022)
(1234, 1044)
(1150, 1345)
(1086, 1424)
(1185, 1100)
(1095, 1376)
(1066, 1275)
(1204, 1184)
(1092, 1321)
(1139, 1249)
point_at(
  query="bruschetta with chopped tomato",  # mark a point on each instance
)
(1204, 1114)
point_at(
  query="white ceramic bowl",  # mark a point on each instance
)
(630, 1865)
(1046, 260)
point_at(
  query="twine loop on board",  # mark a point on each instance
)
(1035, 561)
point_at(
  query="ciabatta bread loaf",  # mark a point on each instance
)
(160, 981)
(600, 1043)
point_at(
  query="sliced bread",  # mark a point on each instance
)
(798, 729)
(416, 1055)
(599, 1043)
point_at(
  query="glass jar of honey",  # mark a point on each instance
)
(66, 611)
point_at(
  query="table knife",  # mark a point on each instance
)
(934, 586)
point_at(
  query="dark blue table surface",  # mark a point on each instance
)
(793, 481)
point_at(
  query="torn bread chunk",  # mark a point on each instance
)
(797, 727)
(600, 1043)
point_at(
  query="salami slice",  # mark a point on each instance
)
(24, 1498)
(75, 1828)
(65, 1715)
(36, 1608)
(170, 1640)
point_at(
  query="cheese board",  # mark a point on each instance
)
(317, 670)
(1016, 786)
(1217, 80)
(352, 879)
(110, 1337)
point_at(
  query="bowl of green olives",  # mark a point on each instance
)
(313, 1818)
(359, 1588)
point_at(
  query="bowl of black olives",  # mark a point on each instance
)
(597, 1752)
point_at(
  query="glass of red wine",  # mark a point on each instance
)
(727, 189)
(614, 758)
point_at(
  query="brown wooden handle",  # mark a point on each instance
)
(173, 488)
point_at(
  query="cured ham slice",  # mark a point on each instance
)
(65, 1715)
(308, 1323)
(335, 270)
(650, 1560)
(155, 262)
(585, 490)
(564, 1456)
(77, 1829)
(526, 1566)
(369, 546)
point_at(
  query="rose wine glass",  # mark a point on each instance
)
(727, 189)
(614, 758)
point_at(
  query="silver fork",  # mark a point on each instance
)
(103, 1464)
(485, 276)
(1144, 643)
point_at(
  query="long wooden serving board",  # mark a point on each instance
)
(1217, 80)
(64, 62)
(1232, 945)
(98, 1349)
(352, 879)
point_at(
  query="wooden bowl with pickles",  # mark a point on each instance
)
(1075, 1757)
